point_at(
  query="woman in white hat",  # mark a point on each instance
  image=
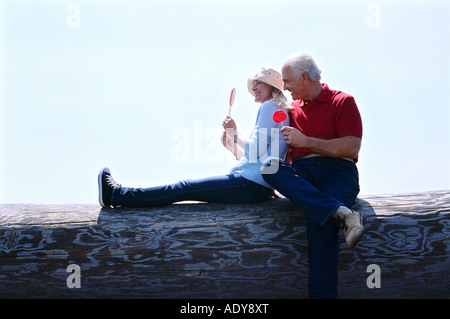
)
(244, 183)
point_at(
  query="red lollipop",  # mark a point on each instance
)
(233, 94)
(279, 116)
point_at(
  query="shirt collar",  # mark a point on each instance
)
(323, 97)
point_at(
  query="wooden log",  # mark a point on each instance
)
(199, 250)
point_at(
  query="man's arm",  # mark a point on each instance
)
(341, 147)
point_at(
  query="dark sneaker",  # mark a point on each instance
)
(353, 226)
(106, 185)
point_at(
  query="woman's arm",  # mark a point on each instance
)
(266, 139)
(231, 128)
(231, 139)
(228, 140)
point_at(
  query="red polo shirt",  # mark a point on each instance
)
(331, 115)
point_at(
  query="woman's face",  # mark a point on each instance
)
(263, 91)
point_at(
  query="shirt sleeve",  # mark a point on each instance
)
(349, 119)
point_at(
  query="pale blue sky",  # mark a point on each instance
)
(143, 87)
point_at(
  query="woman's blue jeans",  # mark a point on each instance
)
(231, 188)
(318, 186)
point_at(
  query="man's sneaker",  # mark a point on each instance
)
(353, 226)
(106, 185)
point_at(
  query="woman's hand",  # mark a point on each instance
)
(229, 123)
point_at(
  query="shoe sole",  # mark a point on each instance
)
(363, 223)
(100, 187)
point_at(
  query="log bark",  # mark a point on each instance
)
(200, 250)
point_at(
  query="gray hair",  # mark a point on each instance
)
(301, 63)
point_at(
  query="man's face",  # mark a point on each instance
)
(297, 87)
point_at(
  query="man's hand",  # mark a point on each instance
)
(294, 137)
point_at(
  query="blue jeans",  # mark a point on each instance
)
(318, 186)
(231, 188)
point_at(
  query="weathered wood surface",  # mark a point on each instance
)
(198, 250)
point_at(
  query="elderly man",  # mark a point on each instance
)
(320, 174)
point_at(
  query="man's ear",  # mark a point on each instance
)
(305, 76)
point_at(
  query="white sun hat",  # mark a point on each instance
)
(268, 76)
